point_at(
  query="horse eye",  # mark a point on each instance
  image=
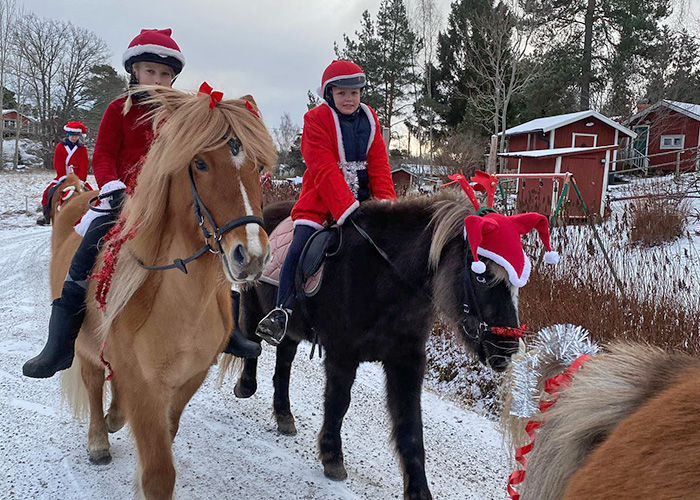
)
(201, 165)
(260, 169)
(481, 279)
(235, 146)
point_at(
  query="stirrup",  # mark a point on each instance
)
(273, 327)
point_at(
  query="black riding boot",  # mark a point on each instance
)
(238, 344)
(58, 352)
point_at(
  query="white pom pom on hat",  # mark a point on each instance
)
(551, 257)
(478, 267)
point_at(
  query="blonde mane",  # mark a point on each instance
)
(184, 126)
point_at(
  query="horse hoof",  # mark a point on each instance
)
(418, 495)
(285, 425)
(335, 471)
(100, 457)
(113, 423)
(244, 391)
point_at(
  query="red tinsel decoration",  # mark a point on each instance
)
(111, 256)
(552, 386)
(507, 331)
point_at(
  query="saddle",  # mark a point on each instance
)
(310, 268)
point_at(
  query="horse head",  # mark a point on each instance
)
(67, 189)
(476, 303)
(203, 171)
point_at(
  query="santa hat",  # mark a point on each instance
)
(75, 127)
(154, 46)
(497, 237)
(344, 74)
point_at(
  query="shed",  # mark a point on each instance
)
(584, 143)
(667, 132)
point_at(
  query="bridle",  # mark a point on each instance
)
(203, 215)
(469, 299)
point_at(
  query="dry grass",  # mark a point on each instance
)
(657, 220)
(278, 191)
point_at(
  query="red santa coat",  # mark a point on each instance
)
(122, 141)
(76, 157)
(324, 191)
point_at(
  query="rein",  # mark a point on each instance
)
(469, 293)
(201, 213)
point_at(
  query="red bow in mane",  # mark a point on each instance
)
(214, 95)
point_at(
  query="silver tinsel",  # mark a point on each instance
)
(350, 169)
(561, 344)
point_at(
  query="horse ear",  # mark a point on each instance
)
(250, 99)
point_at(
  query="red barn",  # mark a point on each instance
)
(667, 132)
(583, 143)
(9, 117)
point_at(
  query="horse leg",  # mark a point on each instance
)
(403, 386)
(340, 375)
(283, 367)
(181, 399)
(150, 425)
(247, 383)
(115, 417)
(98, 442)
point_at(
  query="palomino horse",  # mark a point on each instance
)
(628, 427)
(161, 331)
(369, 310)
(67, 192)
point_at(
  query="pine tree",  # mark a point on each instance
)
(385, 50)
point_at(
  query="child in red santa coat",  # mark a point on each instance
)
(346, 163)
(70, 157)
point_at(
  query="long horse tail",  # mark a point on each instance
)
(73, 391)
(608, 388)
(229, 366)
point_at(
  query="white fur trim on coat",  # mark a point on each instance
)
(348, 212)
(112, 186)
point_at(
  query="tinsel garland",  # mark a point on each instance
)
(564, 345)
(559, 343)
(115, 241)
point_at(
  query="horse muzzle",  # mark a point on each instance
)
(244, 261)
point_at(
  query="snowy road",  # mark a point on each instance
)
(226, 448)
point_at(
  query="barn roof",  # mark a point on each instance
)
(684, 108)
(545, 153)
(549, 123)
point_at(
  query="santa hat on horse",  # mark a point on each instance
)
(75, 127)
(153, 45)
(498, 237)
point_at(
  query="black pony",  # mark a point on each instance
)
(370, 310)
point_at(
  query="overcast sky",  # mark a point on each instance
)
(275, 50)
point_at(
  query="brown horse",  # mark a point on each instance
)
(65, 198)
(161, 331)
(628, 427)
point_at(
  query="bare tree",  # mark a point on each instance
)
(42, 45)
(498, 63)
(8, 15)
(285, 136)
(18, 68)
(427, 20)
(86, 51)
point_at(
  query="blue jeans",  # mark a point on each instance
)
(285, 293)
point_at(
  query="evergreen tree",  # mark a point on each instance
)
(103, 87)
(610, 34)
(386, 52)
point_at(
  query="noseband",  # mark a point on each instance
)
(202, 214)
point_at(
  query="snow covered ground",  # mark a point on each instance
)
(226, 448)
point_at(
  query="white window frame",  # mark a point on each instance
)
(573, 138)
(673, 137)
